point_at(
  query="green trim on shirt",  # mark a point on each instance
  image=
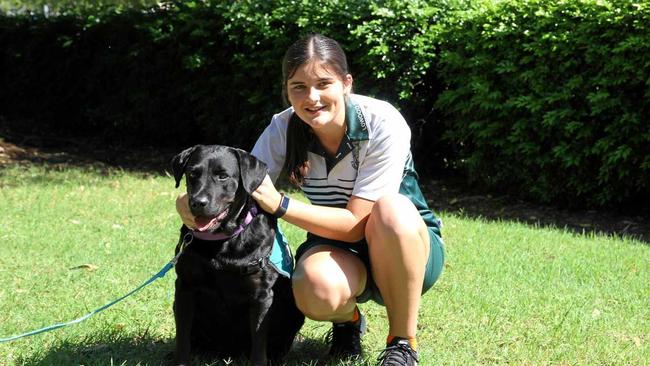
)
(411, 189)
(357, 125)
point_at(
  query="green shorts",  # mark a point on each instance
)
(360, 249)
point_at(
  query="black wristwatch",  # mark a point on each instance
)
(284, 205)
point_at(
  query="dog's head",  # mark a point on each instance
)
(219, 181)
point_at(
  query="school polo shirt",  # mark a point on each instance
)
(374, 158)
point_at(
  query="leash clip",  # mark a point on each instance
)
(187, 240)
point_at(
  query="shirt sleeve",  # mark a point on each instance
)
(271, 146)
(381, 171)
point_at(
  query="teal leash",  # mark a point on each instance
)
(163, 271)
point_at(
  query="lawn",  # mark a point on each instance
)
(73, 239)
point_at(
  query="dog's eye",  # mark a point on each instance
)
(193, 174)
(220, 175)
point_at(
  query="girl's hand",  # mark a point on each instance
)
(267, 196)
(183, 208)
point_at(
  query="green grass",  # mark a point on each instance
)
(509, 294)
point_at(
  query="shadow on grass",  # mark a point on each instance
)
(64, 153)
(450, 195)
(95, 351)
(146, 350)
(444, 193)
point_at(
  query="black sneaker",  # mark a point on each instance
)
(345, 339)
(398, 353)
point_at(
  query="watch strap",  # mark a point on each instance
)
(284, 205)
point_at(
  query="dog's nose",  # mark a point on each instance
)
(199, 202)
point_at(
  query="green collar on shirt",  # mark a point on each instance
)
(357, 130)
(357, 126)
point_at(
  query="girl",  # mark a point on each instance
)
(371, 235)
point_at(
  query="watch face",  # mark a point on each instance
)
(282, 209)
(285, 202)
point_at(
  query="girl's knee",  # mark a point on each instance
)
(315, 296)
(321, 289)
(393, 215)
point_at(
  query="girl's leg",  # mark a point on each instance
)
(398, 244)
(326, 282)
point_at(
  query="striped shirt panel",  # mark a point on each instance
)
(320, 192)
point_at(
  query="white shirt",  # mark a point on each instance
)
(370, 161)
(373, 160)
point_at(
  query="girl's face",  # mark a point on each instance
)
(317, 95)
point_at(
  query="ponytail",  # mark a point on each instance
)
(299, 139)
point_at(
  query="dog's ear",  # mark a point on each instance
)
(251, 170)
(179, 162)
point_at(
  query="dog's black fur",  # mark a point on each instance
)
(220, 308)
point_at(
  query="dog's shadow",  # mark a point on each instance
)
(146, 350)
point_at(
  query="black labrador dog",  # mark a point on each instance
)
(231, 298)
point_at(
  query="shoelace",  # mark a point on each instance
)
(397, 355)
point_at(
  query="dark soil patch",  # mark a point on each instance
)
(448, 194)
(22, 149)
(452, 195)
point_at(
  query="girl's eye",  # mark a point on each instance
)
(299, 87)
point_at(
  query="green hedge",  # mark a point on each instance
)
(133, 78)
(551, 98)
(205, 71)
(544, 98)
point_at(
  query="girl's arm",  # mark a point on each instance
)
(346, 224)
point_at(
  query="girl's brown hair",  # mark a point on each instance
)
(326, 51)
